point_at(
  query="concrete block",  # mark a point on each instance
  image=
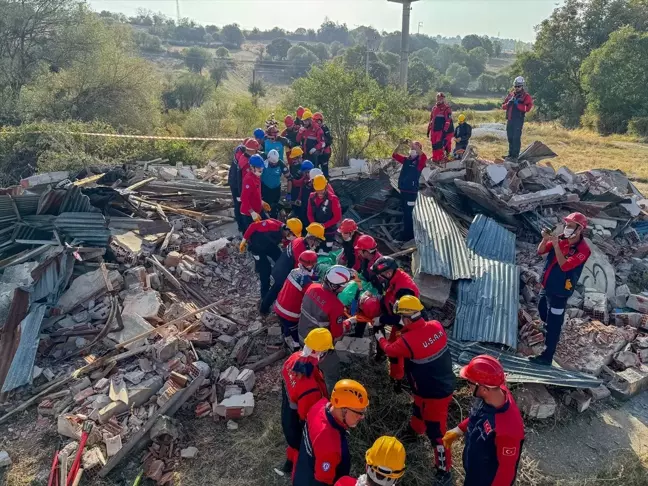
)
(188, 276)
(147, 304)
(229, 376)
(5, 460)
(80, 385)
(137, 396)
(165, 426)
(629, 383)
(166, 348)
(92, 458)
(227, 341)
(85, 287)
(626, 359)
(189, 453)
(232, 390)
(134, 325)
(599, 393)
(135, 377)
(246, 379)
(638, 303)
(113, 444)
(235, 407)
(172, 259)
(351, 348)
(578, 399)
(535, 401)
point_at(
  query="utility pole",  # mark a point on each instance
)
(178, 10)
(420, 24)
(405, 34)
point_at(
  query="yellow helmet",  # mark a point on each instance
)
(408, 306)
(319, 340)
(295, 226)
(316, 230)
(385, 461)
(296, 152)
(307, 114)
(349, 394)
(319, 183)
(462, 118)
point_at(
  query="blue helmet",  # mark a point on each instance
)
(259, 133)
(257, 161)
(307, 165)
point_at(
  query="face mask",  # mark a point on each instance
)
(346, 237)
(290, 237)
(306, 271)
(258, 172)
(568, 232)
(308, 352)
(413, 153)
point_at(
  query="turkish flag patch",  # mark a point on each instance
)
(509, 451)
(581, 257)
(487, 427)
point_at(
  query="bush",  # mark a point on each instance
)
(638, 126)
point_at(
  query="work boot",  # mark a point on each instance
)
(443, 478)
(285, 469)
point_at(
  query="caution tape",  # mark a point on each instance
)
(141, 137)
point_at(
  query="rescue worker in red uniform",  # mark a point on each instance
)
(299, 113)
(494, 430)
(385, 464)
(289, 301)
(408, 183)
(324, 155)
(366, 308)
(303, 386)
(324, 451)
(396, 284)
(305, 193)
(517, 104)
(263, 238)
(311, 138)
(290, 132)
(428, 367)
(322, 308)
(288, 260)
(238, 168)
(324, 207)
(299, 174)
(349, 235)
(366, 255)
(562, 271)
(252, 205)
(441, 129)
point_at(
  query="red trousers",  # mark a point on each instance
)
(396, 365)
(430, 417)
(441, 145)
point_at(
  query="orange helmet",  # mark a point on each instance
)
(349, 394)
(318, 116)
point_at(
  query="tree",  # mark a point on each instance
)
(615, 77)
(426, 55)
(459, 75)
(209, 119)
(471, 41)
(487, 44)
(218, 73)
(476, 61)
(391, 43)
(301, 60)
(391, 60)
(189, 91)
(278, 48)
(232, 35)
(503, 82)
(330, 31)
(497, 48)
(257, 90)
(196, 58)
(320, 50)
(335, 48)
(421, 78)
(147, 42)
(222, 53)
(486, 83)
(421, 41)
(448, 54)
(300, 32)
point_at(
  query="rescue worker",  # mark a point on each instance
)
(324, 451)
(325, 153)
(366, 310)
(395, 283)
(462, 135)
(271, 181)
(349, 235)
(385, 464)
(517, 104)
(366, 255)
(290, 132)
(288, 260)
(295, 158)
(494, 430)
(311, 138)
(302, 387)
(238, 168)
(324, 207)
(322, 308)
(298, 173)
(263, 238)
(305, 193)
(289, 301)
(566, 258)
(428, 367)
(253, 207)
(259, 136)
(408, 182)
(440, 128)
(299, 113)
(273, 141)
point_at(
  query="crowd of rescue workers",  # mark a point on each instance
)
(319, 408)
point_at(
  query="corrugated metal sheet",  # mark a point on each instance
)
(20, 372)
(27, 204)
(490, 240)
(76, 201)
(521, 370)
(358, 191)
(90, 228)
(441, 246)
(53, 277)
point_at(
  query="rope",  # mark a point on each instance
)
(141, 137)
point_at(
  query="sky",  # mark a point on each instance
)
(515, 19)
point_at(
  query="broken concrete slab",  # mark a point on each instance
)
(235, 407)
(599, 393)
(535, 401)
(134, 325)
(351, 348)
(85, 287)
(165, 425)
(578, 399)
(147, 304)
(598, 273)
(136, 396)
(166, 348)
(135, 377)
(626, 359)
(638, 303)
(71, 426)
(113, 444)
(189, 452)
(80, 385)
(435, 289)
(530, 201)
(496, 172)
(5, 460)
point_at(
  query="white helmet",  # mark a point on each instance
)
(315, 172)
(519, 81)
(338, 275)
(273, 156)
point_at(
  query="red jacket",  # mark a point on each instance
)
(261, 235)
(326, 210)
(321, 308)
(289, 301)
(295, 249)
(311, 137)
(347, 481)
(524, 105)
(440, 118)
(251, 194)
(400, 285)
(304, 383)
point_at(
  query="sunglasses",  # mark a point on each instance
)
(359, 414)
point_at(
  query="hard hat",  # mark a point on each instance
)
(519, 81)
(307, 115)
(288, 121)
(314, 173)
(484, 370)
(385, 461)
(319, 183)
(370, 305)
(295, 226)
(257, 161)
(316, 230)
(365, 242)
(300, 111)
(272, 129)
(338, 275)
(308, 258)
(577, 218)
(347, 226)
(273, 156)
(320, 339)
(462, 118)
(251, 144)
(408, 305)
(349, 394)
(318, 116)
(383, 264)
(296, 152)
(259, 133)
(307, 166)
(440, 95)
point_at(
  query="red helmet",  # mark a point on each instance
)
(348, 226)
(365, 242)
(483, 370)
(370, 305)
(308, 258)
(318, 116)
(300, 111)
(251, 144)
(577, 218)
(288, 121)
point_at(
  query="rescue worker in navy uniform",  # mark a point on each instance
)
(408, 182)
(462, 135)
(562, 271)
(494, 430)
(324, 456)
(428, 368)
(238, 168)
(263, 238)
(517, 104)
(325, 153)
